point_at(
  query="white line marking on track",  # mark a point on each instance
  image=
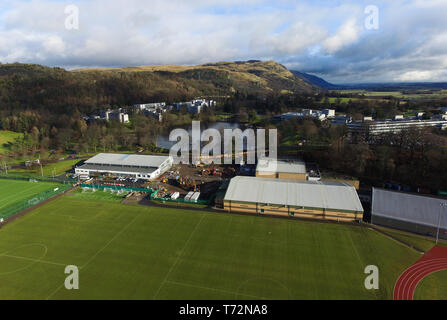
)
(412, 274)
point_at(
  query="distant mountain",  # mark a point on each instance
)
(315, 81)
(253, 76)
(385, 86)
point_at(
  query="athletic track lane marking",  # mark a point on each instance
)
(433, 261)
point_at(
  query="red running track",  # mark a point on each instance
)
(433, 261)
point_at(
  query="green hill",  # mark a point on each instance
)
(56, 89)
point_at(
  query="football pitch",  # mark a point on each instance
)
(14, 191)
(136, 252)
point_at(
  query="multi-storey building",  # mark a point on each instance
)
(393, 126)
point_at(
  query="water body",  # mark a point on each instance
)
(163, 139)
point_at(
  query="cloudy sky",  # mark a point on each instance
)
(328, 38)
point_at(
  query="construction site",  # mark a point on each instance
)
(184, 179)
(182, 182)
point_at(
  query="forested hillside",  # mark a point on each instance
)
(57, 90)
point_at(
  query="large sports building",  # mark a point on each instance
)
(409, 212)
(125, 165)
(307, 199)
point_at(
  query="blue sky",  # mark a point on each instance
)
(326, 38)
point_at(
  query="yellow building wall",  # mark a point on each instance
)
(273, 210)
(282, 175)
(270, 175)
(308, 215)
(285, 211)
(292, 176)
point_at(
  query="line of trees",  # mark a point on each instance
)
(413, 157)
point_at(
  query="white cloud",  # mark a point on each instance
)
(293, 40)
(54, 44)
(418, 75)
(346, 35)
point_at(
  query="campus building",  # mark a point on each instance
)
(114, 115)
(150, 106)
(371, 128)
(196, 106)
(276, 169)
(301, 199)
(409, 212)
(125, 165)
(318, 114)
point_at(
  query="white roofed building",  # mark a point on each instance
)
(125, 165)
(306, 199)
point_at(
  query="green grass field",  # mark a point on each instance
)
(135, 252)
(398, 94)
(5, 138)
(433, 287)
(49, 170)
(14, 191)
(342, 100)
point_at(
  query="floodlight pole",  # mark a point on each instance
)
(441, 206)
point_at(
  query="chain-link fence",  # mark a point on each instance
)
(182, 200)
(18, 207)
(31, 178)
(152, 193)
(115, 188)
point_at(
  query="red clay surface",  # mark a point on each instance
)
(433, 261)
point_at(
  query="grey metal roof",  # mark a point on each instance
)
(107, 168)
(265, 165)
(408, 207)
(131, 160)
(310, 194)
